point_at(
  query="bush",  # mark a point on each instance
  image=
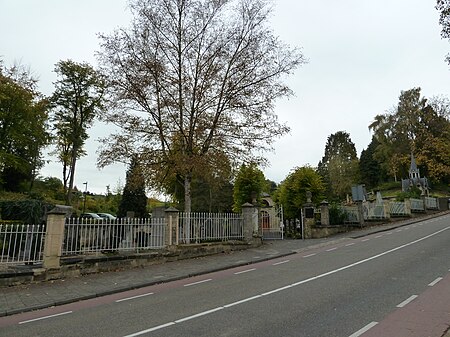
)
(28, 211)
(337, 215)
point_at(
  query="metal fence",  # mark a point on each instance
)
(417, 205)
(83, 236)
(398, 208)
(431, 203)
(209, 227)
(20, 243)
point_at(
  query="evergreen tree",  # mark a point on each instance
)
(369, 168)
(134, 198)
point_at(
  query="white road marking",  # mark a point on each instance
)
(435, 282)
(364, 240)
(281, 262)
(195, 283)
(363, 330)
(133, 297)
(349, 244)
(331, 249)
(199, 315)
(388, 233)
(244, 271)
(334, 271)
(45, 317)
(378, 236)
(398, 230)
(408, 300)
(309, 255)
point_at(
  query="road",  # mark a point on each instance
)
(346, 288)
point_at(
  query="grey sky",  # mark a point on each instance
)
(361, 54)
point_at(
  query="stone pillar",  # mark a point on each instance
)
(54, 237)
(359, 205)
(171, 236)
(250, 219)
(324, 213)
(308, 220)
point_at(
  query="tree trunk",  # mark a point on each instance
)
(72, 175)
(187, 192)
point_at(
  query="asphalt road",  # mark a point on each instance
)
(334, 290)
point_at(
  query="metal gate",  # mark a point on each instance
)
(271, 223)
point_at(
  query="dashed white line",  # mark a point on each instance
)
(331, 249)
(378, 236)
(363, 330)
(398, 230)
(364, 240)
(435, 282)
(388, 233)
(199, 282)
(45, 317)
(244, 271)
(309, 255)
(349, 244)
(408, 300)
(281, 262)
(133, 297)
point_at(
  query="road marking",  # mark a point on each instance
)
(364, 240)
(334, 271)
(388, 233)
(349, 244)
(244, 271)
(242, 301)
(331, 249)
(309, 255)
(199, 315)
(133, 297)
(408, 300)
(435, 282)
(378, 236)
(398, 230)
(363, 330)
(281, 262)
(151, 329)
(195, 283)
(45, 317)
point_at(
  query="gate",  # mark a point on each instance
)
(271, 223)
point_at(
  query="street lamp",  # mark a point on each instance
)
(85, 195)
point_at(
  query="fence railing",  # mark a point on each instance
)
(92, 236)
(20, 243)
(209, 227)
(398, 208)
(431, 203)
(417, 205)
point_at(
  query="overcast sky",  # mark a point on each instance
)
(362, 54)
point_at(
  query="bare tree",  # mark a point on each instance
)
(194, 81)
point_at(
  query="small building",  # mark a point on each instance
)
(415, 180)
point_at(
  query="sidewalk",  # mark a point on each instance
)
(35, 296)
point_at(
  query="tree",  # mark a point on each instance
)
(370, 169)
(23, 128)
(193, 82)
(443, 6)
(339, 165)
(77, 100)
(292, 190)
(133, 197)
(415, 126)
(249, 184)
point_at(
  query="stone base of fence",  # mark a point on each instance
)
(83, 265)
